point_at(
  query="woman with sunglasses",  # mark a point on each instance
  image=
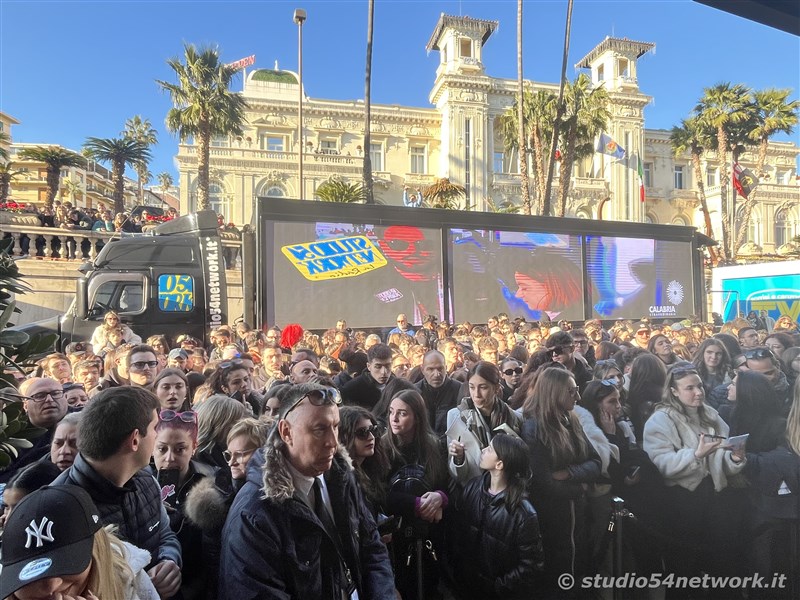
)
(683, 438)
(563, 461)
(111, 322)
(360, 435)
(480, 413)
(511, 373)
(498, 550)
(234, 379)
(178, 474)
(416, 492)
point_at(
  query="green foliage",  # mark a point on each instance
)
(119, 152)
(442, 193)
(17, 351)
(55, 159)
(336, 190)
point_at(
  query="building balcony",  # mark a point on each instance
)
(255, 159)
(684, 198)
(418, 180)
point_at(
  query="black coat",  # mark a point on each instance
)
(361, 391)
(499, 552)
(438, 401)
(275, 546)
(136, 509)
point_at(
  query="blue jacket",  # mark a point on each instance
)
(274, 546)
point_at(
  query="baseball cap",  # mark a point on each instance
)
(178, 353)
(77, 348)
(642, 326)
(50, 533)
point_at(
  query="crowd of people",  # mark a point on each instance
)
(467, 461)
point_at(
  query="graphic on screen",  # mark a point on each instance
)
(524, 274)
(363, 273)
(634, 278)
(777, 294)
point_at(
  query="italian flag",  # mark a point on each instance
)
(640, 170)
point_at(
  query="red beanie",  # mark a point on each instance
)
(290, 335)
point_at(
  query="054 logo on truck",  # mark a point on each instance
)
(335, 258)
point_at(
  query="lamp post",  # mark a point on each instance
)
(299, 19)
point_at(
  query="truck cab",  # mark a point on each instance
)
(170, 281)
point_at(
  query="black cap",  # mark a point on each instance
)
(50, 533)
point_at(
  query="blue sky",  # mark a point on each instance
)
(69, 70)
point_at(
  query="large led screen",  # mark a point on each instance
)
(522, 274)
(634, 278)
(777, 294)
(366, 274)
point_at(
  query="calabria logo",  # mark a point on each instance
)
(675, 292)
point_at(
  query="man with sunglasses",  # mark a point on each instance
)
(45, 404)
(560, 345)
(300, 487)
(142, 364)
(764, 361)
(440, 392)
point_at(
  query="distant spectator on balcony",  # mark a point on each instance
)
(411, 197)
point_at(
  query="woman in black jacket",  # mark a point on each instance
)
(500, 550)
(563, 463)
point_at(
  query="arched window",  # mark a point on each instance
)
(783, 228)
(752, 225)
(217, 200)
(680, 220)
(270, 187)
(650, 218)
(583, 213)
(276, 191)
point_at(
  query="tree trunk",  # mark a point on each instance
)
(750, 203)
(567, 158)
(559, 113)
(53, 182)
(522, 138)
(118, 177)
(4, 185)
(370, 198)
(737, 226)
(202, 166)
(140, 174)
(538, 162)
(725, 171)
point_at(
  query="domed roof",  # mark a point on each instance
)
(273, 76)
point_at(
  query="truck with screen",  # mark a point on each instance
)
(318, 263)
(774, 287)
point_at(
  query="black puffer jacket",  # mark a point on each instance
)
(500, 552)
(362, 391)
(438, 401)
(136, 509)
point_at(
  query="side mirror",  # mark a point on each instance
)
(82, 298)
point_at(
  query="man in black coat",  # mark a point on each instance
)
(365, 390)
(440, 392)
(299, 528)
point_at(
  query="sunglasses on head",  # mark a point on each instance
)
(607, 362)
(363, 433)
(683, 371)
(187, 416)
(228, 364)
(759, 353)
(514, 371)
(323, 397)
(609, 383)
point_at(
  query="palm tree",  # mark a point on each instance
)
(545, 200)
(444, 194)
(70, 188)
(720, 108)
(141, 130)
(4, 140)
(688, 137)
(165, 181)
(7, 175)
(120, 152)
(203, 106)
(55, 159)
(773, 114)
(586, 114)
(522, 137)
(336, 190)
(368, 107)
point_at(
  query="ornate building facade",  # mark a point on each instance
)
(459, 138)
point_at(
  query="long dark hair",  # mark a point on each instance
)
(699, 361)
(516, 467)
(756, 402)
(596, 391)
(373, 470)
(424, 442)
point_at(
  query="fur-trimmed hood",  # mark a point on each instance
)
(207, 506)
(268, 469)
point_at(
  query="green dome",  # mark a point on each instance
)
(274, 76)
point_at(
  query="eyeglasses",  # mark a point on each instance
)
(516, 371)
(363, 433)
(42, 396)
(238, 456)
(141, 365)
(759, 353)
(581, 342)
(321, 397)
(559, 350)
(405, 245)
(68, 387)
(187, 416)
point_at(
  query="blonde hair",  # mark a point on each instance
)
(110, 570)
(215, 418)
(255, 430)
(793, 421)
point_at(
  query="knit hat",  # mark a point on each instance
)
(50, 533)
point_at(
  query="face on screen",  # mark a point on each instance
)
(408, 248)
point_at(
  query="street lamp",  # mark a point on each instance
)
(299, 19)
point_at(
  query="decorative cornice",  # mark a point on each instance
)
(622, 45)
(479, 26)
